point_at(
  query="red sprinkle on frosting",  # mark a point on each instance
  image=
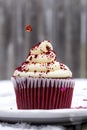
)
(48, 48)
(24, 63)
(62, 66)
(36, 56)
(37, 45)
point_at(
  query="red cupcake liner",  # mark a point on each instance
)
(43, 93)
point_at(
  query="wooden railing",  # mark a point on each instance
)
(63, 22)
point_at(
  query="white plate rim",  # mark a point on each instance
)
(44, 115)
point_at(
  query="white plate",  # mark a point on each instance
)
(44, 116)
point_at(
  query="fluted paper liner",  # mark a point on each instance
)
(43, 93)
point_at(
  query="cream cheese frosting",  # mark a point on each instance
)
(42, 62)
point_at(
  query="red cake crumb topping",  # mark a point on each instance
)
(30, 58)
(24, 63)
(35, 56)
(62, 66)
(48, 48)
(35, 71)
(19, 68)
(36, 45)
(47, 71)
(28, 28)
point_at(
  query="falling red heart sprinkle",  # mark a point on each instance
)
(28, 28)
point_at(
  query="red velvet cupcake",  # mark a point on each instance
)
(42, 82)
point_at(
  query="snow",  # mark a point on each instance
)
(8, 102)
(7, 95)
(24, 126)
(80, 93)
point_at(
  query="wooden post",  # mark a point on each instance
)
(68, 35)
(3, 43)
(76, 28)
(60, 30)
(83, 58)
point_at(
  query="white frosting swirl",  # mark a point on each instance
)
(41, 62)
(41, 47)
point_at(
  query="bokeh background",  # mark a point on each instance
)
(63, 22)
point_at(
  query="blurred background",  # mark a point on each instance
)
(63, 22)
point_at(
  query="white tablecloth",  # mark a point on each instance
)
(7, 101)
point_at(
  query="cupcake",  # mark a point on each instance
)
(42, 82)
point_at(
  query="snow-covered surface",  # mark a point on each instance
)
(24, 126)
(8, 105)
(7, 95)
(80, 93)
